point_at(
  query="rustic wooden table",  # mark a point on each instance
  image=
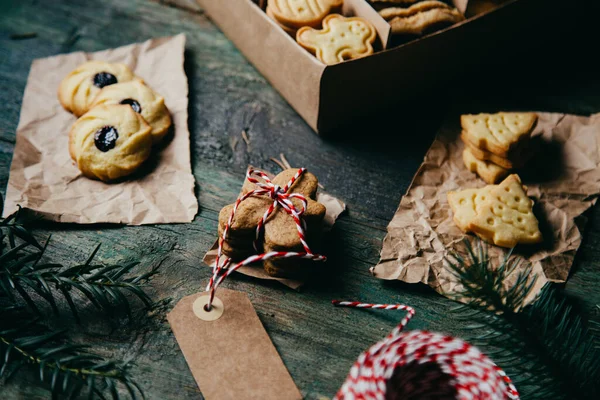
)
(369, 167)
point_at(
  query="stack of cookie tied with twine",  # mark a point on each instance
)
(278, 232)
(120, 119)
(414, 18)
(317, 27)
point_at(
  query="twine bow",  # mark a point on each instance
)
(281, 198)
(474, 375)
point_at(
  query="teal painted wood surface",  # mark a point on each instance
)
(369, 166)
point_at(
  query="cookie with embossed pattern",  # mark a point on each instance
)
(299, 13)
(340, 39)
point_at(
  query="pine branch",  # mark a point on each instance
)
(67, 368)
(545, 346)
(22, 272)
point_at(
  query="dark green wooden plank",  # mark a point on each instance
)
(317, 342)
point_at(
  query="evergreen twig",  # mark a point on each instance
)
(22, 272)
(545, 346)
(67, 368)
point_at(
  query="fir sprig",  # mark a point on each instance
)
(67, 368)
(22, 272)
(546, 347)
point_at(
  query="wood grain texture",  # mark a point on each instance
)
(369, 166)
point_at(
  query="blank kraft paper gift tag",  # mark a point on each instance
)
(228, 350)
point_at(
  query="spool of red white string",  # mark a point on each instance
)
(281, 198)
(422, 365)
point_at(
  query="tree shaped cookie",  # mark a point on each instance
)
(498, 133)
(464, 205)
(280, 231)
(340, 39)
(299, 13)
(486, 170)
(506, 216)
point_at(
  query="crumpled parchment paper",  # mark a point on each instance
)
(563, 179)
(44, 179)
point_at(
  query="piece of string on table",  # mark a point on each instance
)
(281, 198)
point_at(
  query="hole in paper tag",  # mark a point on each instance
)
(200, 308)
(231, 357)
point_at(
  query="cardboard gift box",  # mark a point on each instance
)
(328, 96)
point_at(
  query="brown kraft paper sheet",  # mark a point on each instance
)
(334, 207)
(563, 179)
(43, 178)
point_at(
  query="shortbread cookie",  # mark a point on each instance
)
(506, 217)
(299, 13)
(289, 30)
(464, 204)
(142, 100)
(486, 170)
(421, 17)
(500, 133)
(280, 231)
(109, 142)
(78, 89)
(340, 39)
(517, 160)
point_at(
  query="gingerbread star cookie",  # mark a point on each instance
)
(340, 39)
(421, 18)
(280, 231)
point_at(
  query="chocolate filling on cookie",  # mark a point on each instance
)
(134, 104)
(105, 138)
(102, 79)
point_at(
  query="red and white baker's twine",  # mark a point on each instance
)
(474, 375)
(281, 198)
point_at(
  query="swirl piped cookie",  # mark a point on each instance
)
(143, 100)
(340, 39)
(110, 142)
(78, 90)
